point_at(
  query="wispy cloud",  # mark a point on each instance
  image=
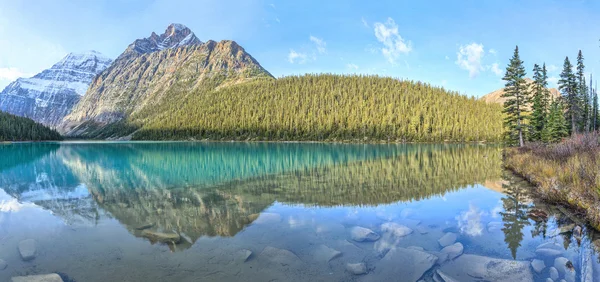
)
(551, 68)
(277, 20)
(12, 73)
(495, 68)
(493, 52)
(320, 43)
(364, 22)
(272, 5)
(295, 57)
(393, 44)
(352, 66)
(469, 58)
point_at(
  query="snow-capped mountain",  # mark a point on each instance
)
(176, 35)
(50, 95)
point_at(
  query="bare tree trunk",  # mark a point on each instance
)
(573, 126)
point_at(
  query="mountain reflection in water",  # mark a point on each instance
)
(290, 195)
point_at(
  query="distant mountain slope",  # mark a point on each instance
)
(150, 70)
(496, 96)
(50, 95)
(327, 107)
(15, 128)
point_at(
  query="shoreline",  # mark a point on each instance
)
(548, 187)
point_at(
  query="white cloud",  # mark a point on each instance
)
(272, 5)
(277, 20)
(321, 44)
(12, 74)
(552, 68)
(394, 44)
(352, 66)
(295, 57)
(469, 58)
(496, 69)
(469, 222)
(444, 82)
(447, 58)
(364, 22)
(553, 80)
(493, 51)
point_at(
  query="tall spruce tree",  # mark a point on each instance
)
(517, 98)
(582, 92)
(540, 99)
(594, 106)
(556, 124)
(567, 84)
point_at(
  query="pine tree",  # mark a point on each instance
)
(568, 86)
(517, 98)
(539, 107)
(584, 122)
(556, 124)
(594, 107)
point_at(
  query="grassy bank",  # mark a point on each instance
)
(567, 173)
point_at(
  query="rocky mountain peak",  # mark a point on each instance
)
(51, 94)
(175, 35)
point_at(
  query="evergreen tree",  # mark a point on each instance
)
(539, 107)
(584, 122)
(594, 107)
(15, 128)
(568, 87)
(556, 125)
(517, 99)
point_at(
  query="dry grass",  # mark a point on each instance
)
(565, 173)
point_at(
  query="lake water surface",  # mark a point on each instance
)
(280, 212)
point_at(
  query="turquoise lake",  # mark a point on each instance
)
(195, 211)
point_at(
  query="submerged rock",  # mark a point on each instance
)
(442, 257)
(361, 234)
(396, 229)
(27, 249)
(161, 237)
(280, 256)
(356, 268)
(564, 266)
(325, 254)
(38, 278)
(448, 239)
(480, 268)
(553, 273)
(453, 250)
(407, 264)
(538, 265)
(243, 255)
(440, 276)
(422, 230)
(549, 249)
(3, 264)
(416, 248)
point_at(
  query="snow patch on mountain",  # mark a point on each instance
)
(51, 94)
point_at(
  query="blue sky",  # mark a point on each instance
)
(461, 45)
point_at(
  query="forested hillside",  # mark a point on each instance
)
(14, 128)
(319, 107)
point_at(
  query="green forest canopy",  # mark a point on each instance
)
(319, 107)
(15, 128)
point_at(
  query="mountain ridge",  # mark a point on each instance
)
(49, 96)
(496, 95)
(151, 68)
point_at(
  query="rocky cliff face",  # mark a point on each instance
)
(50, 95)
(154, 69)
